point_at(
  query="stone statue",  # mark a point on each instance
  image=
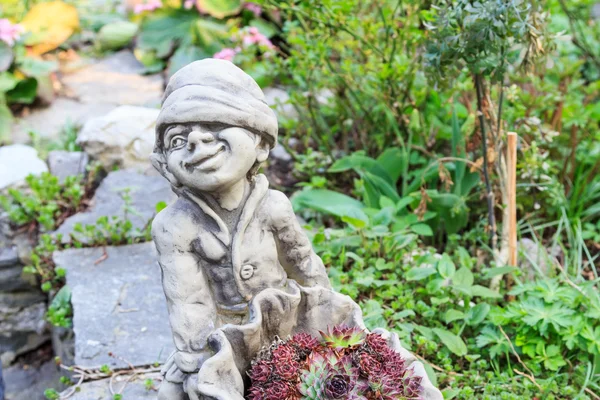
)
(237, 268)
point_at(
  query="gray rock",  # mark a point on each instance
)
(134, 389)
(12, 346)
(118, 305)
(48, 122)
(595, 14)
(115, 80)
(124, 137)
(145, 192)
(12, 302)
(279, 153)
(67, 163)
(8, 256)
(535, 259)
(13, 279)
(16, 162)
(278, 99)
(26, 319)
(29, 383)
(63, 344)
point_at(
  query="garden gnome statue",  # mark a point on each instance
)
(237, 268)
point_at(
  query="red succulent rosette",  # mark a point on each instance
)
(346, 363)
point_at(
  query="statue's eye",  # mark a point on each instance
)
(177, 142)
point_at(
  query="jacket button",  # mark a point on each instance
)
(247, 271)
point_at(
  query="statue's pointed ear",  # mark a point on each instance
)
(160, 163)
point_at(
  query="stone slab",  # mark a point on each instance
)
(123, 138)
(16, 162)
(29, 383)
(67, 163)
(116, 79)
(145, 191)
(134, 390)
(49, 121)
(118, 305)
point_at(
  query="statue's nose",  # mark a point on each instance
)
(196, 137)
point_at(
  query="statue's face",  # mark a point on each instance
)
(210, 157)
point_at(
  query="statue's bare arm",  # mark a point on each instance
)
(296, 254)
(192, 312)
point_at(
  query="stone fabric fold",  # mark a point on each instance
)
(280, 313)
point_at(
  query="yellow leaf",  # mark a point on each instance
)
(51, 24)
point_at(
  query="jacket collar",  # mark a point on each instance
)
(258, 188)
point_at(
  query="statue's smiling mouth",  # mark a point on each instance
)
(205, 159)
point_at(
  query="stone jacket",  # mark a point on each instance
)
(210, 273)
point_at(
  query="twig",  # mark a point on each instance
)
(103, 257)
(594, 395)
(436, 367)
(530, 376)
(84, 374)
(486, 175)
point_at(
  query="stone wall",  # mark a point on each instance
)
(22, 303)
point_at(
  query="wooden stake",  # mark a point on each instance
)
(511, 158)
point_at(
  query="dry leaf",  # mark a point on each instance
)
(477, 165)
(51, 25)
(422, 208)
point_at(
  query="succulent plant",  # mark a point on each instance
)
(347, 363)
(343, 337)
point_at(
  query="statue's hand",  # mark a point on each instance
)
(190, 362)
(180, 364)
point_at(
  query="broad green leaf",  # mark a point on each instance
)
(482, 291)
(453, 315)
(446, 266)
(7, 81)
(392, 161)
(211, 33)
(498, 271)
(35, 67)
(419, 273)
(454, 343)
(450, 393)
(382, 185)
(463, 277)
(329, 202)
(62, 297)
(185, 55)
(477, 314)
(219, 8)
(422, 229)
(116, 35)
(162, 30)
(24, 92)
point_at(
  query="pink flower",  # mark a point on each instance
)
(188, 4)
(149, 5)
(252, 36)
(254, 8)
(10, 32)
(227, 54)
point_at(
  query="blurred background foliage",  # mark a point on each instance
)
(397, 122)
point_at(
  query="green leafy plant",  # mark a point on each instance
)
(20, 74)
(175, 35)
(46, 202)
